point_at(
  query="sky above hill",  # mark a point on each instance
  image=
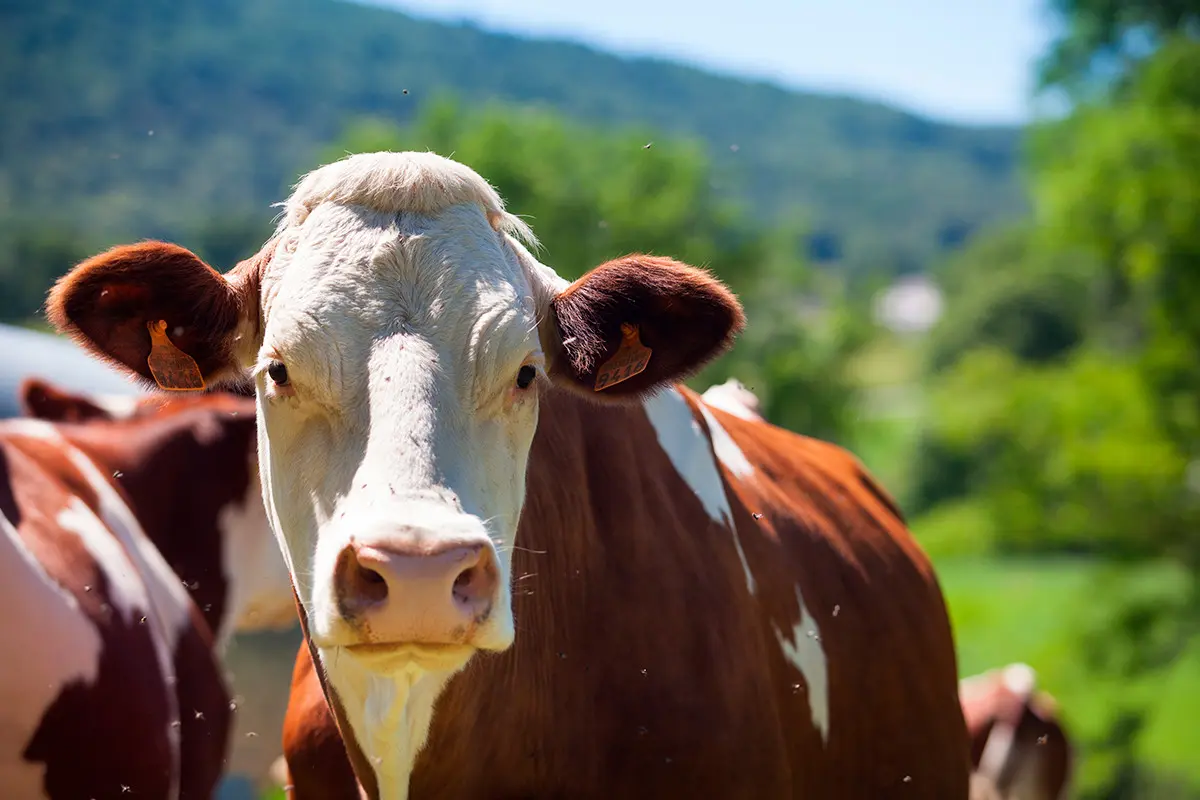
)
(960, 60)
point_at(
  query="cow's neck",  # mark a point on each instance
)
(388, 715)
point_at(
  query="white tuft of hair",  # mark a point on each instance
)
(398, 182)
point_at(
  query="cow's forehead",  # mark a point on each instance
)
(386, 269)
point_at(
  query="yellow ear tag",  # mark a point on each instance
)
(631, 358)
(173, 369)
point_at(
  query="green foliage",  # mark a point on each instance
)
(136, 118)
(1063, 387)
(1103, 40)
(1007, 294)
(1068, 459)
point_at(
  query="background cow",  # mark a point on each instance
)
(700, 604)
(1019, 748)
(183, 472)
(110, 684)
(188, 464)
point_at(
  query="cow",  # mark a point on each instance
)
(1019, 747)
(528, 560)
(131, 558)
(733, 397)
(189, 466)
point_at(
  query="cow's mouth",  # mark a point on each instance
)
(396, 656)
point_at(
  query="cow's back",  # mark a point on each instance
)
(852, 603)
(110, 685)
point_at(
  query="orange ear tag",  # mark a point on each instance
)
(631, 358)
(173, 369)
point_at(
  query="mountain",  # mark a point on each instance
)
(138, 117)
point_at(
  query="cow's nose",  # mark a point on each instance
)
(435, 593)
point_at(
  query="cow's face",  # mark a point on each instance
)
(398, 335)
(397, 382)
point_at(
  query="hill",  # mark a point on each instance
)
(138, 117)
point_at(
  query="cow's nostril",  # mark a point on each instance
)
(358, 585)
(372, 585)
(465, 583)
(475, 587)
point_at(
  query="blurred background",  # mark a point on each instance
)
(967, 236)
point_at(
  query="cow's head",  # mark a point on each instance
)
(398, 334)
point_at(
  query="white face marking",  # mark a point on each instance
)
(259, 587)
(803, 650)
(403, 317)
(684, 441)
(168, 612)
(57, 646)
(402, 340)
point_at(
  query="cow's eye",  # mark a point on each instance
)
(278, 373)
(525, 376)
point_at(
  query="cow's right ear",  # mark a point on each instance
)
(111, 302)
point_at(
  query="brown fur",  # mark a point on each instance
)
(685, 317)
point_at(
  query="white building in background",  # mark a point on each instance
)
(910, 305)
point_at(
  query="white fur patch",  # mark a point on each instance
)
(51, 644)
(258, 584)
(1020, 679)
(728, 453)
(682, 438)
(803, 650)
(117, 406)
(734, 398)
(390, 716)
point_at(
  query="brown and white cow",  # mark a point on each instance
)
(694, 603)
(1019, 748)
(114, 683)
(189, 465)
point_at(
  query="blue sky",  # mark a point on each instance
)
(963, 60)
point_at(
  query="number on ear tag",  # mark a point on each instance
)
(631, 358)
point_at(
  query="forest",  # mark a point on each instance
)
(1043, 438)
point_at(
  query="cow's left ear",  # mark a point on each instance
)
(637, 323)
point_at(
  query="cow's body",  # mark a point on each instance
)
(701, 604)
(804, 653)
(1019, 748)
(118, 680)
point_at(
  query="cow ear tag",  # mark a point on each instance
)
(631, 358)
(173, 369)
